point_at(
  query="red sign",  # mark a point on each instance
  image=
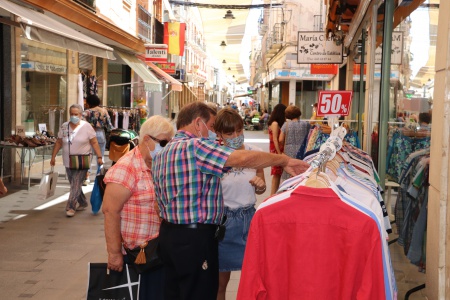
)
(334, 103)
(357, 69)
(324, 69)
(169, 68)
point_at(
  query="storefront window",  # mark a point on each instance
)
(119, 94)
(416, 72)
(43, 86)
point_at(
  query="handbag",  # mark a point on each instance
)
(108, 284)
(145, 257)
(79, 161)
(47, 185)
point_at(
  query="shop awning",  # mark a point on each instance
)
(176, 85)
(42, 28)
(152, 84)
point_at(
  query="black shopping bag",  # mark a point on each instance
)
(106, 284)
(48, 184)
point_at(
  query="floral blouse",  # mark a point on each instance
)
(98, 120)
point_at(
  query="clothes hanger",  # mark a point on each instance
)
(317, 179)
(333, 166)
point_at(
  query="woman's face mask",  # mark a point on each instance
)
(155, 151)
(74, 119)
(234, 142)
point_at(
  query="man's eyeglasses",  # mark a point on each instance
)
(162, 143)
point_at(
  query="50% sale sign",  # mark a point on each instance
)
(334, 103)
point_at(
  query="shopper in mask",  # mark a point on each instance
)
(129, 203)
(186, 176)
(239, 186)
(76, 137)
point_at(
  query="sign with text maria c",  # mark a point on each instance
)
(156, 52)
(396, 50)
(334, 103)
(313, 47)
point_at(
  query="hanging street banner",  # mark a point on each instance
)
(174, 35)
(396, 50)
(334, 103)
(313, 47)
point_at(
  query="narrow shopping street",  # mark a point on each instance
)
(45, 254)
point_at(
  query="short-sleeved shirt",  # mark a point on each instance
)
(236, 187)
(139, 219)
(79, 140)
(187, 176)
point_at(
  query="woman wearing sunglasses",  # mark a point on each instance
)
(129, 204)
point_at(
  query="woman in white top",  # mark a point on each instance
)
(76, 137)
(239, 186)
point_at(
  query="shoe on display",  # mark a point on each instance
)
(86, 182)
(70, 213)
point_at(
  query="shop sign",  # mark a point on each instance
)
(334, 103)
(396, 51)
(394, 76)
(324, 69)
(313, 47)
(156, 52)
(302, 74)
(357, 69)
(49, 68)
(169, 68)
(29, 65)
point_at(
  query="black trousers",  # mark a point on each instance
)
(191, 262)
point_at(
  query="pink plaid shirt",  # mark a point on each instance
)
(139, 219)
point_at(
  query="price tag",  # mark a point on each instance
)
(20, 130)
(334, 103)
(42, 127)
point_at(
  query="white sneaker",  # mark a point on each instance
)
(86, 182)
(70, 213)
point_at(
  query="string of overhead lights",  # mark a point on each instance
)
(224, 6)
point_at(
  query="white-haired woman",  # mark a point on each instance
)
(76, 137)
(129, 205)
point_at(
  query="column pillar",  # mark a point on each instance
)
(292, 91)
(438, 256)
